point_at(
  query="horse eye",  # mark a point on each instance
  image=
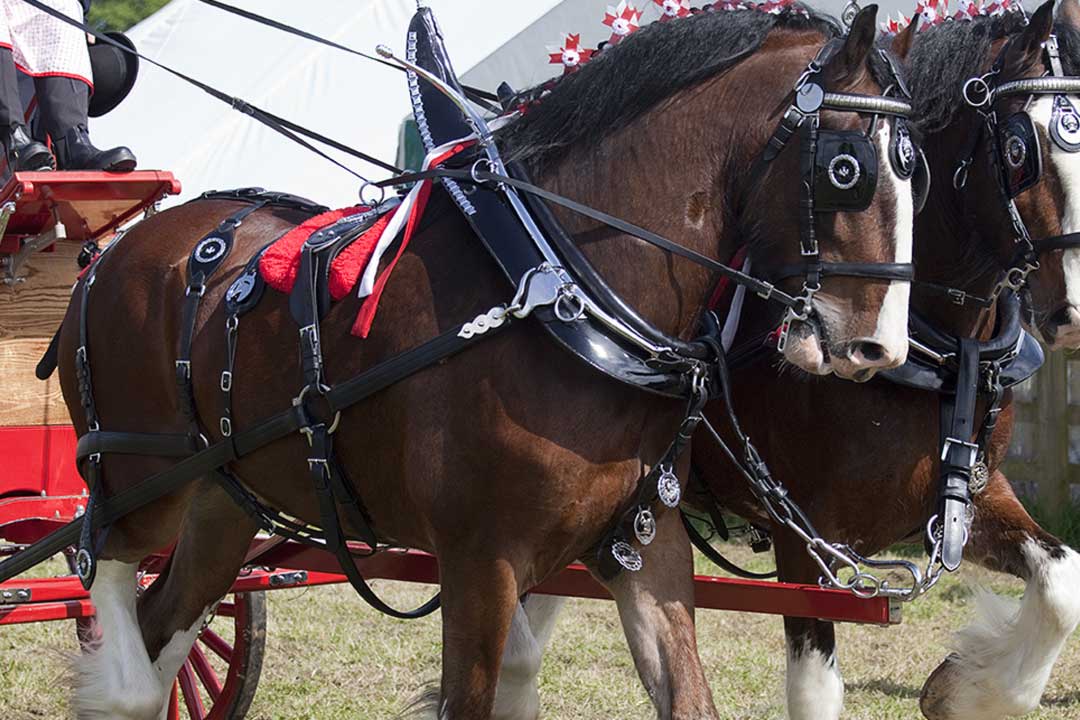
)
(844, 172)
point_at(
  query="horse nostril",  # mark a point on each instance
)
(867, 351)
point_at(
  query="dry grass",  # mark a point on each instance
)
(329, 656)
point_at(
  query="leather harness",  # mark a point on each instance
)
(554, 282)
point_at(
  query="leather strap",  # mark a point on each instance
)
(753, 284)
(1057, 242)
(714, 556)
(958, 456)
(903, 272)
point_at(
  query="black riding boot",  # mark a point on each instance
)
(21, 152)
(74, 151)
(64, 103)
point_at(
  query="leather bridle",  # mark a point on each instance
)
(982, 93)
(803, 117)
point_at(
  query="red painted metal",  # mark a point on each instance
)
(717, 593)
(39, 459)
(90, 204)
(44, 612)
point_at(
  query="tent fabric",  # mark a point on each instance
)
(173, 126)
(207, 145)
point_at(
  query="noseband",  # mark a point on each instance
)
(1017, 154)
(838, 171)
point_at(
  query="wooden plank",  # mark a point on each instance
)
(35, 307)
(1053, 440)
(25, 400)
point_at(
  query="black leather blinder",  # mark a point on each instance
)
(909, 162)
(1019, 153)
(845, 171)
(902, 151)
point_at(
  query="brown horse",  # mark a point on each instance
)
(510, 462)
(858, 446)
(862, 461)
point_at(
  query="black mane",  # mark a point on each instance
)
(626, 81)
(944, 56)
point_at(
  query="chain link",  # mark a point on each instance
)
(841, 566)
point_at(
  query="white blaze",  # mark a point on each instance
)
(892, 331)
(1067, 166)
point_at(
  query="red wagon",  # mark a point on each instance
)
(45, 219)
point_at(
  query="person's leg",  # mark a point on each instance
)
(63, 103)
(21, 152)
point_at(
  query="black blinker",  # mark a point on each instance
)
(1019, 153)
(845, 171)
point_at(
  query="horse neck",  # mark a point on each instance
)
(659, 173)
(949, 249)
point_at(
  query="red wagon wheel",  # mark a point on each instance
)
(219, 678)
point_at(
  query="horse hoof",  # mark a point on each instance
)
(939, 689)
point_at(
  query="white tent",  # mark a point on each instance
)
(173, 126)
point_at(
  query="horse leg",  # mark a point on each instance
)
(214, 539)
(129, 671)
(113, 677)
(479, 598)
(656, 607)
(815, 689)
(518, 695)
(1002, 661)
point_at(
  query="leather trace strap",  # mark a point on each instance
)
(705, 548)
(958, 457)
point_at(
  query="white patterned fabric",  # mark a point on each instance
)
(43, 45)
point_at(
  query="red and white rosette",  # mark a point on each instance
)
(624, 19)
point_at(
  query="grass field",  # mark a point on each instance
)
(329, 656)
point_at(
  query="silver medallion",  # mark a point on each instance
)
(240, 289)
(1065, 125)
(210, 249)
(667, 488)
(84, 565)
(1015, 151)
(844, 171)
(626, 555)
(905, 151)
(644, 526)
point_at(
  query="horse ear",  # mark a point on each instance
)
(1027, 48)
(901, 44)
(848, 64)
(1069, 13)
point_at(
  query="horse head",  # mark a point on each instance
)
(862, 217)
(687, 128)
(1003, 145)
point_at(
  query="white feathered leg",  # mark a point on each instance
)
(518, 695)
(1002, 661)
(113, 677)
